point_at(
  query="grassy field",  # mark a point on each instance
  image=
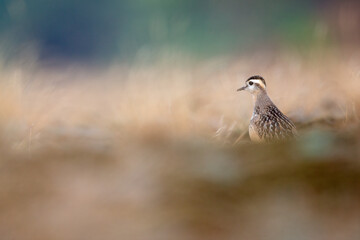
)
(160, 150)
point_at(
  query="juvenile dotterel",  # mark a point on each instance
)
(267, 123)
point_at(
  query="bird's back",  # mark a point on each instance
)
(270, 124)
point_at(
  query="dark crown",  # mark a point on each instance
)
(257, 77)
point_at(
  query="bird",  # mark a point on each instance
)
(268, 123)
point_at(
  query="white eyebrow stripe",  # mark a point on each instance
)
(259, 82)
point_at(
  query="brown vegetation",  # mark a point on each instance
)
(160, 151)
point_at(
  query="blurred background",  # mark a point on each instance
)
(121, 120)
(94, 31)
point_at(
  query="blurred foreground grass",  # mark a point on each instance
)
(160, 151)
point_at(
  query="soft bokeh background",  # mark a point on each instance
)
(120, 119)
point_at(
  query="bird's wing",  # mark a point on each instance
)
(274, 125)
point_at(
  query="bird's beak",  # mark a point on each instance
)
(240, 89)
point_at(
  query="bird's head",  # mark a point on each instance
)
(254, 85)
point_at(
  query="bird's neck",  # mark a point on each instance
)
(261, 100)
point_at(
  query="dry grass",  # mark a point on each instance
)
(160, 151)
(179, 99)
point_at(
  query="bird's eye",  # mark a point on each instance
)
(251, 83)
